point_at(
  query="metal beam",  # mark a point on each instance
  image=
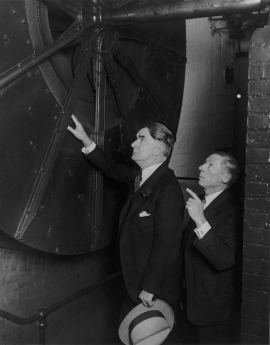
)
(175, 10)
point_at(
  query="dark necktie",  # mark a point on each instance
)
(137, 182)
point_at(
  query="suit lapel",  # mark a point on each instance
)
(137, 199)
(210, 211)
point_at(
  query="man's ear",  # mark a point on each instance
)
(159, 150)
(226, 178)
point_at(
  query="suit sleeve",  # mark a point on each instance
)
(110, 167)
(221, 243)
(169, 215)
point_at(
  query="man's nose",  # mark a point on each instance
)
(134, 143)
(201, 167)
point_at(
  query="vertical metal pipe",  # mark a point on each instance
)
(100, 87)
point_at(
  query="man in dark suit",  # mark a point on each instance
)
(150, 226)
(212, 255)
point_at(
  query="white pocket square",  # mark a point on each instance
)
(144, 214)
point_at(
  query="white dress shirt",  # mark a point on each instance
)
(146, 173)
(202, 230)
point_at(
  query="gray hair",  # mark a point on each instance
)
(161, 133)
(231, 166)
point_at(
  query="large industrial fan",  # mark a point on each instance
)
(59, 58)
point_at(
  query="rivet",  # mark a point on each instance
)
(5, 38)
(56, 250)
(37, 72)
(56, 105)
(29, 74)
(23, 21)
(19, 65)
(47, 90)
(28, 41)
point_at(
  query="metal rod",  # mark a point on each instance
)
(26, 321)
(168, 10)
(20, 68)
(81, 293)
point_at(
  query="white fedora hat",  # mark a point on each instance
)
(147, 325)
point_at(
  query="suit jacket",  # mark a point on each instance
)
(149, 246)
(213, 264)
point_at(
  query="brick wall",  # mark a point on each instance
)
(31, 280)
(256, 262)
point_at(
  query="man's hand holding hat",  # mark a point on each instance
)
(147, 298)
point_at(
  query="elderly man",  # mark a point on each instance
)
(150, 226)
(212, 255)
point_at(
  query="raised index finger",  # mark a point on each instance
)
(194, 195)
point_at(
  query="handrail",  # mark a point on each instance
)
(44, 312)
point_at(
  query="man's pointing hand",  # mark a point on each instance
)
(194, 206)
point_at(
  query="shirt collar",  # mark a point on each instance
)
(147, 172)
(210, 198)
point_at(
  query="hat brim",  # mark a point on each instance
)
(162, 306)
